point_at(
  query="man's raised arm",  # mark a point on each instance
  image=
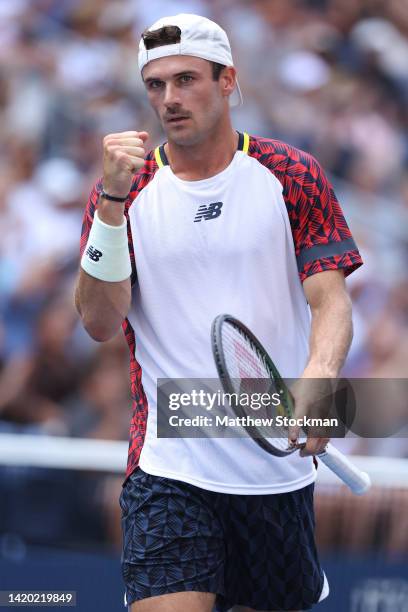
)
(103, 292)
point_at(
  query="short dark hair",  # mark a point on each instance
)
(171, 35)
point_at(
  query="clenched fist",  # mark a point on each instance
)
(123, 155)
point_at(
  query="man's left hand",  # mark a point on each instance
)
(312, 398)
(314, 446)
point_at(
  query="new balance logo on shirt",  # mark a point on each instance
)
(93, 253)
(212, 211)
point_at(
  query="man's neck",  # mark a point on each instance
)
(205, 159)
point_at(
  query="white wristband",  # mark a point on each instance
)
(106, 254)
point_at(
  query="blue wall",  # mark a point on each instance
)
(97, 580)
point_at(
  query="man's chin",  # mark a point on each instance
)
(182, 138)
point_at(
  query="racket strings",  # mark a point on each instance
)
(250, 374)
(243, 360)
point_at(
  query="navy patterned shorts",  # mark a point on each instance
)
(253, 550)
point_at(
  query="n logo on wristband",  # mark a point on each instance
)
(93, 253)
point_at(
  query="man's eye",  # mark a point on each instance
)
(186, 78)
(155, 84)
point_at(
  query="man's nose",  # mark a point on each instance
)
(171, 95)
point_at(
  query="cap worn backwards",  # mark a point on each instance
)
(199, 37)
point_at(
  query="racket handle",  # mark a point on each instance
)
(359, 482)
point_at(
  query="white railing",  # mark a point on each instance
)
(111, 456)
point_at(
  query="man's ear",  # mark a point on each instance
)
(228, 79)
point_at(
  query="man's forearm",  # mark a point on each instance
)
(102, 305)
(331, 335)
(330, 339)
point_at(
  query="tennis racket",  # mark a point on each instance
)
(245, 367)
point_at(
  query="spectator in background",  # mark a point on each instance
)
(330, 76)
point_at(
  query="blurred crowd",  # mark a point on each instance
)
(328, 76)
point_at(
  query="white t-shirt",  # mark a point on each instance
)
(225, 244)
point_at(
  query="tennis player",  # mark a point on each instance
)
(212, 221)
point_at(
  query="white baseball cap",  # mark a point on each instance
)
(200, 37)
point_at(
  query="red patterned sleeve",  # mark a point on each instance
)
(320, 232)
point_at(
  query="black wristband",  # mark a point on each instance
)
(105, 195)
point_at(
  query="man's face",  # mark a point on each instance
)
(185, 97)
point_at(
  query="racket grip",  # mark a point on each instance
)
(359, 482)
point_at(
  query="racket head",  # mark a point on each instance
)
(240, 356)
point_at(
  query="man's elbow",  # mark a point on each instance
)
(98, 330)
